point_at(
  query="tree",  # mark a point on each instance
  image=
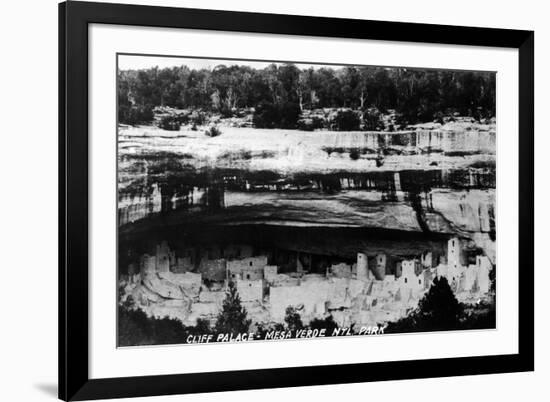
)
(414, 95)
(198, 90)
(233, 317)
(270, 74)
(132, 107)
(307, 86)
(330, 90)
(439, 310)
(136, 328)
(293, 319)
(354, 86)
(230, 86)
(365, 80)
(288, 76)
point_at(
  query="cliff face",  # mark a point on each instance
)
(292, 151)
(439, 211)
(253, 139)
(469, 211)
(426, 181)
(424, 140)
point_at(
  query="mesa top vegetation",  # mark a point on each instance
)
(283, 92)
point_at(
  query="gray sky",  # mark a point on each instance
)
(131, 62)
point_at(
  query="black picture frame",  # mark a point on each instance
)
(74, 381)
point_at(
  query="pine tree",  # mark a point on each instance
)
(439, 309)
(233, 317)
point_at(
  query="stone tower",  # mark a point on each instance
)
(453, 253)
(362, 267)
(380, 266)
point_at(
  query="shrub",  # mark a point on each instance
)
(354, 154)
(263, 329)
(226, 111)
(328, 324)
(305, 125)
(270, 115)
(346, 120)
(213, 131)
(197, 118)
(236, 155)
(372, 120)
(439, 117)
(169, 122)
(290, 113)
(266, 115)
(293, 319)
(182, 118)
(310, 124)
(135, 114)
(415, 111)
(202, 327)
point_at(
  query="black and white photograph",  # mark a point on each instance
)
(275, 201)
(265, 200)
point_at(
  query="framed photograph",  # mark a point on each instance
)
(258, 201)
